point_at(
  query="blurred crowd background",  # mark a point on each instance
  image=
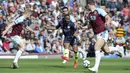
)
(49, 13)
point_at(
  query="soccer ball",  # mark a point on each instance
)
(86, 63)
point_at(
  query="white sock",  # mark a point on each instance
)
(17, 56)
(85, 54)
(97, 59)
(64, 62)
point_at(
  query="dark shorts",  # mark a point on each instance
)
(72, 41)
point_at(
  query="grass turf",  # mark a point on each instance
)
(55, 66)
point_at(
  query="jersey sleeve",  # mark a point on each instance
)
(59, 25)
(101, 12)
(74, 27)
(19, 20)
(72, 19)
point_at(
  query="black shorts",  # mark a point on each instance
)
(73, 41)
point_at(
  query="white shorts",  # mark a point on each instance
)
(17, 39)
(103, 35)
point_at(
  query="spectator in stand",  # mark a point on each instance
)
(112, 6)
(49, 1)
(128, 32)
(128, 46)
(12, 6)
(2, 15)
(98, 3)
(54, 3)
(65, 2)
(75, 8)
(126, 11)
(128, 40)
(120, 5)
(126, 1)
(38, 47)
(43, 5)
(61, 3)
(129, 3)
(6, 46)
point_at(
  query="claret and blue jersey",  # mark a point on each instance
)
(97, 20)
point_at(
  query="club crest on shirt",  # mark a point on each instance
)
(68, 27)
(93, 17)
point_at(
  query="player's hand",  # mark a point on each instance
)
(4, 32)
(34, 32)
(3, 36)
(78, 26)
(45, 27)
(75, 34)
(107, 26)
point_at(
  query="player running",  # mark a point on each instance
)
(17, 26)
(99, 22)
(69, 31)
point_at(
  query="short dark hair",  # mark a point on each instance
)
(67, 15)
(65, 8)
(91, 2)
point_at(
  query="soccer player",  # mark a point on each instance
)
(65, 11)
(99, 22)
(70, 39)
(17, 26)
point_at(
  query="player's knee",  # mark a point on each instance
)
(66, 46)
(22, 46)
(97, 48)
(99, 44)
(75, 47)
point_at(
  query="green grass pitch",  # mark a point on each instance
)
(55, 66)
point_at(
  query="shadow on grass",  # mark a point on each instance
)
(56, 66)
(5, 67)
(87, 72)
(126, 68)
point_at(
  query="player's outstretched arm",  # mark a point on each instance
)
(8, 27)
(50, 27)
(108, 20)
(86, 27)
(30, 29)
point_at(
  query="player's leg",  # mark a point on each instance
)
(75, 47)
(75, 44)
(17, 57)
(21, 43)
(99, 44)
(65, 56)
(106, 49)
